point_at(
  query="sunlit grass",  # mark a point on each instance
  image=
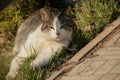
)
(92, 16)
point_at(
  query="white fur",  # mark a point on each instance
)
(44, 45)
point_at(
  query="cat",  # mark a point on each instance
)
(45, 33)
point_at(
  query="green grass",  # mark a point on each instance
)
(94, 14)
(4, 60)
(91, 16)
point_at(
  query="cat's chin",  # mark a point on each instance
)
(58, 39)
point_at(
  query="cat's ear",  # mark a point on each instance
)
(44, 13)
(67, 11)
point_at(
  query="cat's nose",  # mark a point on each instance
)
(58, 34)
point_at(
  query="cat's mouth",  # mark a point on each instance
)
(58, 38)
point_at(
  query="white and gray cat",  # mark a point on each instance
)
(43, 34)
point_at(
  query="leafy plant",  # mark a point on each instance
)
(91, 18)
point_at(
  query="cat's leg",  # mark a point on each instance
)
(15, 64)
(44, 57)
(14, 51)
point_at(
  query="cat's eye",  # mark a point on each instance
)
(68, 29)
(51, 27)
(63, 26)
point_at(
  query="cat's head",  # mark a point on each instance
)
(56, 25)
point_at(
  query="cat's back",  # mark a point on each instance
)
(27, 27)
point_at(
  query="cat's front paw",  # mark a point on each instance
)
(33, 65)
(10, 76)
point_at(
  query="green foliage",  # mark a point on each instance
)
(4, 60)
(91, 18)
(12, 16)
